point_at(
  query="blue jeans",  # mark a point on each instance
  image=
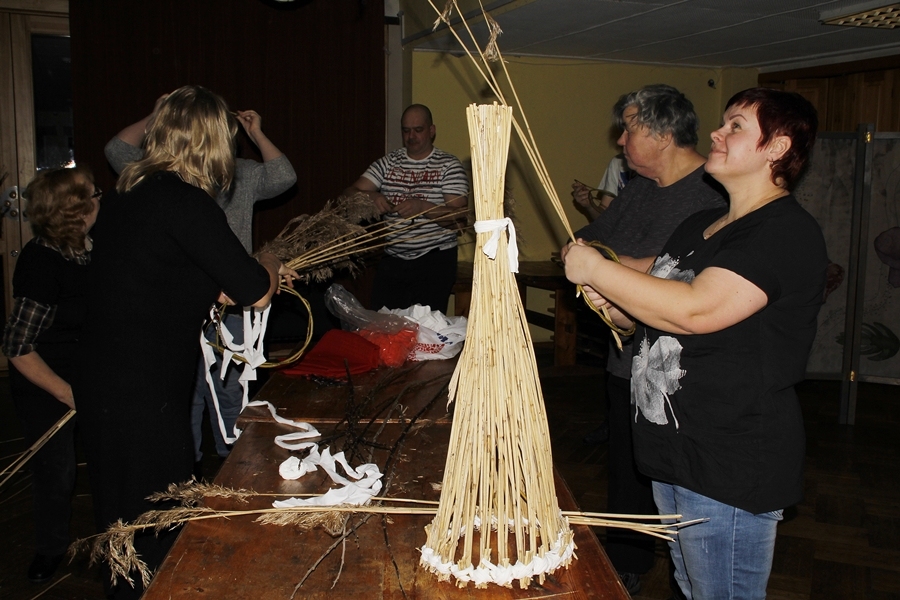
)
(727, 558)
(229, 392)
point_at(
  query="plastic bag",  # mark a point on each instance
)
(439, 336)
(394, 335)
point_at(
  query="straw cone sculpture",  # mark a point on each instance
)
(498, 519)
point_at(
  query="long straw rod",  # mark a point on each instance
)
(18, 464)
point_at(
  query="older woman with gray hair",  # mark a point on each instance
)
(659, 135)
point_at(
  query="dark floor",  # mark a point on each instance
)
(842, 542)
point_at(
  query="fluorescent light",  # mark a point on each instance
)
(869, 14)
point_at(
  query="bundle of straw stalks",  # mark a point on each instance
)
(499, 471)
(339, 236)
(332, 239)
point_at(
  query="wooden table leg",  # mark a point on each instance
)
(566, 328)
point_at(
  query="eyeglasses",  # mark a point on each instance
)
(98, 193)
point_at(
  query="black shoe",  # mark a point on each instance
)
(598, 436)
(43, 567)
(632, 582)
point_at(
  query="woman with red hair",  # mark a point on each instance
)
(726, 318)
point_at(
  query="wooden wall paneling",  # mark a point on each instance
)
(895, 101)
(875, 104)
(842, 105)
(815, 90)
(313, 69)
(847, 94)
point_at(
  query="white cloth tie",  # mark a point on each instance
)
(251, 351)
(495, 227)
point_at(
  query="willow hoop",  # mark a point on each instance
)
(285, 361)
(603, 314)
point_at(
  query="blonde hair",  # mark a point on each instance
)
(192, 134)
(57, 201)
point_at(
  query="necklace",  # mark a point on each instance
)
(722, 221)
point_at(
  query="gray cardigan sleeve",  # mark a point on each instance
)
(120, 153)
(267, 179)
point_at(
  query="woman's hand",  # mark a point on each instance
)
(581, 262)
(250, 121)
(68, 398)
(287, 276)
(616, 315)
(596, 299)
(581, 194)
(33, 367)
(224, 299)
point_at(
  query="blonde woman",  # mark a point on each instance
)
(163, 254)
(40, 339)
(726, 319)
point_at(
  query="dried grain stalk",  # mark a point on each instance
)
(116, 545)
(338, 220)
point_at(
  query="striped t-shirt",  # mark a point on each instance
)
(400, 178)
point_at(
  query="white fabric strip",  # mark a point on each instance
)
(364, 481)
(251, 351)
(487, 572)
(359, 492)
(495, 227)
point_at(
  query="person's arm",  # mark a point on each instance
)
(717, 298)
(582, 196)
(130, 140)
(252, 124)
(447, 215)
(27, 321)
(454, 187)
(367, 186)
(277, 271)
(638, 264)
(38, 372)
(616, 315)
(133, 135)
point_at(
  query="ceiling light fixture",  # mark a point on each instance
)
(868, 14)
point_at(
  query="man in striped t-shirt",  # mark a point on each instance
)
(429, 185)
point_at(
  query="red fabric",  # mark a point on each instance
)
(394, 347)
(327, 357)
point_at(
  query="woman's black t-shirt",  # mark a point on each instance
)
(717, 413)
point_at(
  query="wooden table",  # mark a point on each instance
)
(544, 275)
(237, 558)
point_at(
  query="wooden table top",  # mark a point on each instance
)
(423, 386)
(238, 558)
